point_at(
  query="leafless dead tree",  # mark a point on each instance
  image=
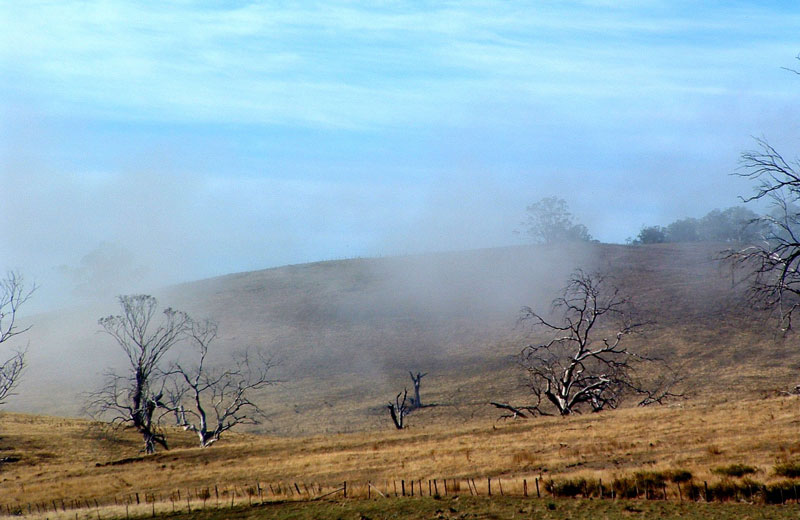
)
(131, 400)
(399, 409)
(416, 401)
(210, 401)
(773, 264)
(585, 364)
(13, 294)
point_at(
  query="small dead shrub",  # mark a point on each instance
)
(734, 470)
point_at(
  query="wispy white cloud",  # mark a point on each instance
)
(348, 65)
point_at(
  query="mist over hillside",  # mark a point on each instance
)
(347, 332)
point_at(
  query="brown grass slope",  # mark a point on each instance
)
(48, 459)
(347, 332)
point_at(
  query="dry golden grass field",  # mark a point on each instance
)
(348, 332)
(65, 459)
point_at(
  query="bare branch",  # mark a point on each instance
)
(209, 401)
(132, 400)
(583, 365)
(399, 409)
(13, 294)
(773, 264)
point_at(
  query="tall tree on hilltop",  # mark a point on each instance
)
(549, 222)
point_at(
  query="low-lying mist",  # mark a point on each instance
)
(365, 323)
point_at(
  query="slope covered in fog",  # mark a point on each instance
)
(347, 332)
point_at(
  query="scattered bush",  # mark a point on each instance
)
(679, 476)
(651, 484)
(572, 487)
(780, 492)
(788, 469)
(734, 470)
(650, 479)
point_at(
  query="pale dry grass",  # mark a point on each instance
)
(67, 459)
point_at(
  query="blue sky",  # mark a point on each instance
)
(210, 137)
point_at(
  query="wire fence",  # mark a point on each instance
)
(218, 496)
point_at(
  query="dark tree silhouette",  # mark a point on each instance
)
(773, 264)
(13, 295)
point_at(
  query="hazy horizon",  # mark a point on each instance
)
(147, 145)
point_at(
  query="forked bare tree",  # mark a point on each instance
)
(131, 400)
(585, 365)
(13, 294)
(773, 264)
(210, 401)
(399, 409)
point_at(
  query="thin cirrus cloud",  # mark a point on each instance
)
(340, 64)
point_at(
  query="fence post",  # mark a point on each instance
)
(345, 489)
(601, 489)
(537, 489)
(705, 485)
(489, 481)
(403, 487)
(525, 488)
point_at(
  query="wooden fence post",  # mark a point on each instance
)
(525, 488)
(538, 495)
(705, 485)
(403, 486)
(344, 488)
(489, 481)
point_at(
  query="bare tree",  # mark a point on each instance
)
(399, 409)
(132, 399)
(773, 264)
(211, 401)
(13, 294)
(585, 364)
(416, 401)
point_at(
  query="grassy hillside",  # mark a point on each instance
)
(347, 332)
